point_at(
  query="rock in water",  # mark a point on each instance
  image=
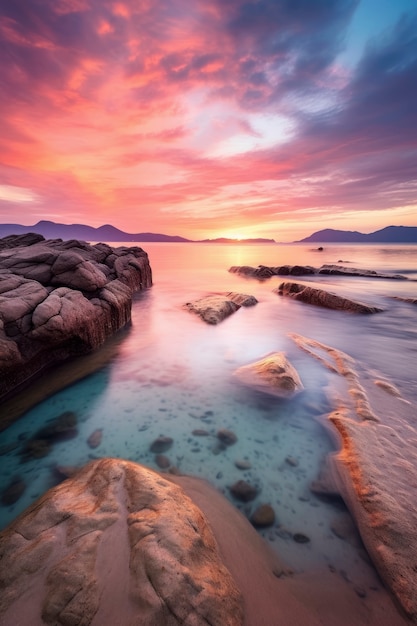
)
(13, 491)
(161, 444)
(227, 437)
(273, 374)
(95, 438)
(263, 516)
(320, 297)
(117, 544)
(213, 309)
(243, 491)
(61, 298)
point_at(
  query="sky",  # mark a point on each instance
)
(209, 118)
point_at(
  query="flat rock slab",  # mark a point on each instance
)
(116, 544)
(320, 297)
(272, 374)
(215, 308)
(59, 299)
(263, 271)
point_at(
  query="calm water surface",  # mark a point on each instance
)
(171, 374)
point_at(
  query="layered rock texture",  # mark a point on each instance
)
(61, 298)
(115, 544)
(215, 308)
(374, 423)
(321, 297)
(263, 271)
(273, 374)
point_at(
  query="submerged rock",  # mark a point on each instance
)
(162, 461)
(263, 516)
(13, 491)
(243, 491)
(227, 437)
(60, 428)
(161, 444)
(320, 297)
(273, 374)
(117, 544)
(95, 438)
(59, 299)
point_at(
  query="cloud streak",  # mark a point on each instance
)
(206, 117)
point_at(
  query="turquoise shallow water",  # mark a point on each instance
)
(171, 374)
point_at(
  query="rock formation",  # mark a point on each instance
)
(320, 297)
(116, 543)
(61, 298)
(262, 271)
(273, 374)
(375, 432)
(215, 308)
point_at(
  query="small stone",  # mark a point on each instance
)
(300, 538)
(61, 428)
(200, 432)
(95, 438)
(227, 437)
(242, 464)
(162, 461)
(263, 516)
(161, 444)
(13, 491)
(35, 449)
(290, 460)
(243, 491)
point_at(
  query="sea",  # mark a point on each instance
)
(170, 374)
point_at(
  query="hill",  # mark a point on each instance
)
(390, 234)
(53, 230)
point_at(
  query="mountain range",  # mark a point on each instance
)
(390, 234)
(53, 230)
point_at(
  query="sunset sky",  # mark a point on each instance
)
(257, 118)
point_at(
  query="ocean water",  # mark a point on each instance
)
(170, 374)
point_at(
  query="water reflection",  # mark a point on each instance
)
(171, 375)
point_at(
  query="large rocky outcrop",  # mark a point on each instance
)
(61, 298)
(263, 271)
(216, 307)
(115, 544)
(119, 544)
(320, 297)
(273, 374)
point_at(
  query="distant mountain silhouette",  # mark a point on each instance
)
(52, 230)
(226, 240)
(390, 234)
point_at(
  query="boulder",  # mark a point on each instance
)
(320, 297)
(273, 374)
(60, 299)
(213, 309)
(115, 544)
